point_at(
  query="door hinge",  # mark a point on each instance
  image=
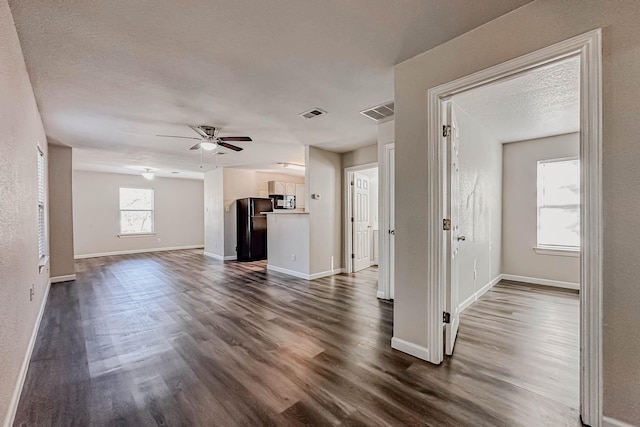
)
(446, 317)
(351, 219)
(446, 130)
(353, 256)
(446, 224)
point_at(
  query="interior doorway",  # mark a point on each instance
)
(587, 48)
(361, 217)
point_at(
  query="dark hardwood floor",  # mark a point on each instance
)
(177, 339)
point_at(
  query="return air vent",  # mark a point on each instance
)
(312, 113)
(379, 113)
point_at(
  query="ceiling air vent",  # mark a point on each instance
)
(379, 113)
(312, 113)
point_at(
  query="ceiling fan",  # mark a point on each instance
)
(209, 139)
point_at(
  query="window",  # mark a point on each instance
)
(559, 204)
(136, 210)
(42, 230)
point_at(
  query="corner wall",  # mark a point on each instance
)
(61, 212)
(21, 133)
(178, 213)
(534, 26)
(520, 222)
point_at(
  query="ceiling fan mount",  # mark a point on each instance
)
(209, 139)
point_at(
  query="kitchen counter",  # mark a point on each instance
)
(285, 211)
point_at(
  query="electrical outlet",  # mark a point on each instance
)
(293, 257)
(159, 240)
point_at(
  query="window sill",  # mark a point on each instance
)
(44, 261)
(136, 235)
(557, 251)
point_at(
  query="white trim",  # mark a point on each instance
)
(66, 278)
(220, 257)
(476, 295)
(612, 422)
(380, 295)
(410, 348)
(304, 275)
(545, 282)
(138, 251)
(346, 191)
(22, 376)
(559, 251)
(588, 47)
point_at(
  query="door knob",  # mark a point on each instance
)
(462, 238)
(392, 232)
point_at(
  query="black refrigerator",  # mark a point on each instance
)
(252, 228)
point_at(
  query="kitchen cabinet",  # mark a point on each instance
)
(290, 189)
(277, 187)
(300, 195)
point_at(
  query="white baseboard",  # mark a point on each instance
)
(483, 290)
(612, 422)
(22, 376)
(545, 282)
(220, 257)
(66, 278)
(287, 271)
(410, 348)
(326, 273)
(305, 276)
(138, 251)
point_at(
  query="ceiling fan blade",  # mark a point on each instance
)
(235, 138)
(229, 146)
(195, 147)
(176, 136)
(199, 131)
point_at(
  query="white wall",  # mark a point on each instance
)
(288, 242)
(529, 28)
(214, 212)
(324, 177)
(361, 156)
(480, 157)
(178, 216)
(21, 132)
(519, 227)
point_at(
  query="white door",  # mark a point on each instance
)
(451, 305)
(361, 239)
(392, 219)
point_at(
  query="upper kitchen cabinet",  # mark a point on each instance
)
(278, 187)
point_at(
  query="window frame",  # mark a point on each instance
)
(550, 249)
(41, 198)
(153, 214)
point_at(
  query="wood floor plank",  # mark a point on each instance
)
(179, 339)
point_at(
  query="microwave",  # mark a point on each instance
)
(283, 202)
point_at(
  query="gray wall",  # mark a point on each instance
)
(519, 210)
(178, 215)
(21, 132)
(529, 28)
(480, 196)
(361, 156)
(214, 212)
(324, 177)
(61, 211)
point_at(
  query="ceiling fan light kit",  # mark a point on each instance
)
(209, 139)
(147, 174)
(208, 145)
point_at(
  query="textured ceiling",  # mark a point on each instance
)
(541, 103)
(110, 74)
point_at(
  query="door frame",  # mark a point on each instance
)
(384, 255)
(588, 47)
(348, 212)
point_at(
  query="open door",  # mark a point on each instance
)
(361, 222)
(451, 316)
(392, 219)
